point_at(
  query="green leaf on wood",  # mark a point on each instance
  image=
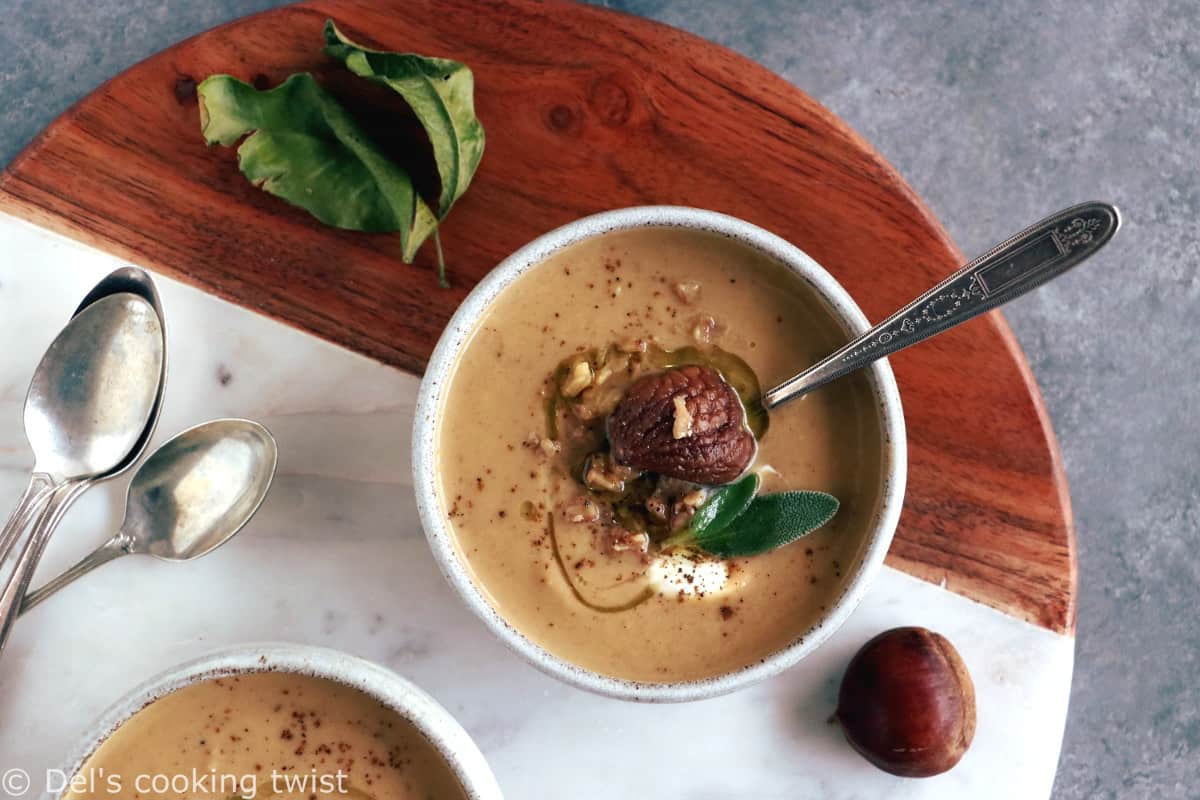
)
(302, 146)
(442, 95)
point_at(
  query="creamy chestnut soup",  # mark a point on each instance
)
(274, 736)
(565, 541)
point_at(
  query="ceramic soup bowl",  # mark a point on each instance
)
(438, 377)
(385, 687)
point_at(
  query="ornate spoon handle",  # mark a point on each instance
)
(1037, 254)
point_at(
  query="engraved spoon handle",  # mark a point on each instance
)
(1037, 254)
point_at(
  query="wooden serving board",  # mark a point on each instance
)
(586, 110)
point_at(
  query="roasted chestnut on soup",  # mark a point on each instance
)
(684, 423)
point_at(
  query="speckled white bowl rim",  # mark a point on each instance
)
(386, 687)
(459, 331)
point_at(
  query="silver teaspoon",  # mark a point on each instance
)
(92, 397)
(129, 280)
(190, 496)
(1037, 254)
(132, 280)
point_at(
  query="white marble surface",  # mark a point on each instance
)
(336, 557)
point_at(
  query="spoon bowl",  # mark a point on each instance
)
(131, 280)
(193, 494)
(127, 280)
(95, 391)
(198, 490)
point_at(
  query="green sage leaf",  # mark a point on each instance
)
(303, 147)
(770, 521)
(724, 505)
(440, 92)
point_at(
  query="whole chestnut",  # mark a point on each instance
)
(907, 703)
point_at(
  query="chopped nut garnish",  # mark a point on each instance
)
(614, 363)
(602, 474)
(683, 418)
(581, 509)
(550, 447)
(656, 505)
(683, 509)
(687, 291)
(681, 515)
(578, 379)
(705, 330)
(584, 411)
(620, 540)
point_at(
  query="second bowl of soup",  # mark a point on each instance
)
(277, 721)
(570, 554)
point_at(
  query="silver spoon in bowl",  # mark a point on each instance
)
(92, 398)
(1037, 254)
(190, 496)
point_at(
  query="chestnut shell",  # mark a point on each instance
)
(907, 703)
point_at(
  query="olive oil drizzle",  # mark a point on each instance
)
(646, 594)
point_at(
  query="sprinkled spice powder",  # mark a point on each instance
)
(284, 733)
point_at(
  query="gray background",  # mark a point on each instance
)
(996, 113)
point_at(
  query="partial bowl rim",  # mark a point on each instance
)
(389, 689)
(459, 331)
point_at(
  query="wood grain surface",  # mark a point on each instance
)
(585, 110)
